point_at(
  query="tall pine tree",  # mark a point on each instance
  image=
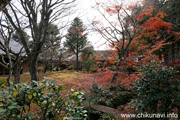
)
(76, 40)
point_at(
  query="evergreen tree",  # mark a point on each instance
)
(173, 11)
(51, 47)
(76, 40)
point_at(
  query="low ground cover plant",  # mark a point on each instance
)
(40, 100)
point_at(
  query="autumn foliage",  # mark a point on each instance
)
(150, 34)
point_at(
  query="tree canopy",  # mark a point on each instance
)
(76, 38)
(37, 16)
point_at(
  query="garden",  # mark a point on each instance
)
(52, 69)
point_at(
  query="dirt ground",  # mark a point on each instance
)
(72, 79)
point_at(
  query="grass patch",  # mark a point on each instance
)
(3, 80)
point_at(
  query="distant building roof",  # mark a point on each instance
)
(101, 54)
(48, 55)
(71, 57)
(14, 46)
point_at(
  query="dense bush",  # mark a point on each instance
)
(71, 67)
(113, 96)
(157, 89)
(88, 65)
(130, 70)
(175, 65)
(38, 100)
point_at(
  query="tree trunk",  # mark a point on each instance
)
(166, 56)
(10, 62)
(178, 112)
(16, 74)
(173, 52)
(114, 78)
(10, 71)
(3, 4)
(159, 53)
(177, 50)
(32, 67)
(9, 76)
(77, 64)
(45, 68)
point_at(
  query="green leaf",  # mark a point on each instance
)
(35, 83)
(54, 81)
(50, 94)
(80, 96)
(2, 111)
(30, 115)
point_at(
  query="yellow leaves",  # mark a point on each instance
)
(177, 19)
(66, 118)
(3, 84)
(30, 96)
(66, 103)
(76, 93)
(115, 45)
(15, 93)
(11, 101)
(40, 84)
(34, 94)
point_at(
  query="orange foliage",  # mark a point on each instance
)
(96, 58)
(112, 11)
(131, 7)
(156, 23)
(118, 7)
(145, 12)
(111, 61)
(128, 81)
(80, 33)
(154, 29)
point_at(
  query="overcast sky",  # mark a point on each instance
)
(87, 14)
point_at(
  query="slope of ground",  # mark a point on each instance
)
(72, 79)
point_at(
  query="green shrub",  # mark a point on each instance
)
(74, 107)
(157, 89)
(107, 117)
(130, 70)
(71, 67)
(112, 96)
(18, 99)
(94, 70)
(88, 64)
